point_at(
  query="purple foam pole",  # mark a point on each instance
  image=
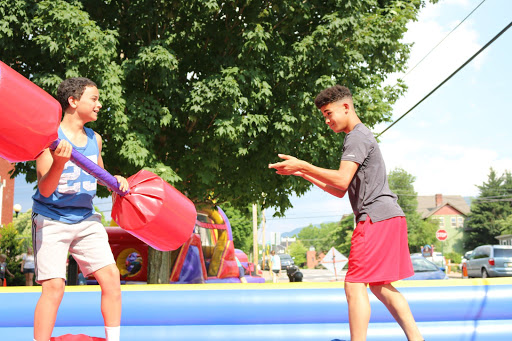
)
(90, 167)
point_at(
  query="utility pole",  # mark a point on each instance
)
(263, 237)
(2, 185)
(255, 236)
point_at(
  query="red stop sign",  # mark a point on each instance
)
(441, 234)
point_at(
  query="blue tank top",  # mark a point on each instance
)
(72, 200)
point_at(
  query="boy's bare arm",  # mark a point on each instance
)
(329, 189)
(49, 167)
(123, 183)
(324, 178)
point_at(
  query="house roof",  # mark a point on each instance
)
(427, 204)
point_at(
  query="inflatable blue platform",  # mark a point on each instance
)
(454, 310)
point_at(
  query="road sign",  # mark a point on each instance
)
(441, 234)
(334, 261)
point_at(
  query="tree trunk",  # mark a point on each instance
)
(159, 266)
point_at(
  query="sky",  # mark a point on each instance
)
(452, 139)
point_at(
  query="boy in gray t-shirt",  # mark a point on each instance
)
(379, 252)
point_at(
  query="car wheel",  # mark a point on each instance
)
(485, 274)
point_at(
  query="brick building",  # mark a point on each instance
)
(6, 192)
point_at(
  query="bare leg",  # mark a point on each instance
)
(29, 279)
(358, 310)
(108, 279)
(47, 307)
(399, 308)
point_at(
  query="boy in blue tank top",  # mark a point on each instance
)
(63, 218)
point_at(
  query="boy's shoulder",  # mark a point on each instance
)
(361, 133)
(91, 133)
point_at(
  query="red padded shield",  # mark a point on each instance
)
(30, 117)
(155, 212)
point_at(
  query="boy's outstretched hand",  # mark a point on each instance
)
(290, 166)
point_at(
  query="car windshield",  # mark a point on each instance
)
(503, 252)
(422, 265)
(285, 257)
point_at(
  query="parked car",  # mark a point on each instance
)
(425, 269)
(490, 261)
(437, 258)
(286, 260)
(465, 258)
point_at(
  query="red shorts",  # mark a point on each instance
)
(380, 252)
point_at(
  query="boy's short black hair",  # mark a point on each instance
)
(331, 95)
(72, 87)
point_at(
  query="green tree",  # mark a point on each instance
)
(298, 251)
(241, 227)
(206, 93)
(11, 246)
(420, 231)
(342, 235)
(23, 224)
(317, 236)
(328, 235)
(490, 212)
(505, 225)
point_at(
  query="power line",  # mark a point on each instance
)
(449, 77)
(432, 49)
(308, 217)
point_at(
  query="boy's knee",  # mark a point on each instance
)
(109, 280)
(113, 272)
(54, 289)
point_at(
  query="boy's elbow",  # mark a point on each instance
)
(44, 194)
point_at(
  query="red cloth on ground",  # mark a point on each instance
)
(79, 337)
(380, 252)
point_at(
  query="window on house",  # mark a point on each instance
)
(460, 222)
(441, 221)
(454, 222)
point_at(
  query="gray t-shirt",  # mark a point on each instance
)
(369, 191)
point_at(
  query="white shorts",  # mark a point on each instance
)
(86, 241)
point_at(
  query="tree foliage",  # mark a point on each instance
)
(206, 93)
(12, 246)
(298, 251)
(241, 227)
(23, 224)
(420, 231)
(328, 235)
(490, 212)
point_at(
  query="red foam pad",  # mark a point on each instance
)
(79, 337)
(30, 117)
(155, 212)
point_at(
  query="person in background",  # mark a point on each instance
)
(28, 266)
(275, 266)
(3, 269)
(241, 271)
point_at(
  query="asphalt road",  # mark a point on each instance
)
(324, 275)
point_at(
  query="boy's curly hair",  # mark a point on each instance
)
(72, 87)
(331, 95)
